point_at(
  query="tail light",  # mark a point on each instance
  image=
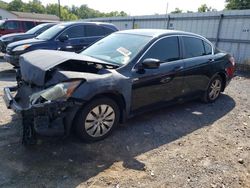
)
(231, 69)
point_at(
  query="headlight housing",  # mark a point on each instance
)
(21, 48)
(61, 91)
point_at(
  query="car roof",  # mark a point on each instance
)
(89, 23)
(157, 32)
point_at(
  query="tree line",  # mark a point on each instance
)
(67, 13)
(230, 5)
(83, 12)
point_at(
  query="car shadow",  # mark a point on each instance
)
(73, 162)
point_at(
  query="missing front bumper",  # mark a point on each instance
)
(45, 119)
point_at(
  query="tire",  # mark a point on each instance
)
(97, 119)
(213, 90)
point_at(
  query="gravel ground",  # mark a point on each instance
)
(188, 145)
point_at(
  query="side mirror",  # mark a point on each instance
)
(63, 38)
(150, 63)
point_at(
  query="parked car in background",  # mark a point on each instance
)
(32, 33)
(122, 75)
(17, 25)
(69, 36)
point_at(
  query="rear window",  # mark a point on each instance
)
(208, 48)
(95, 30)
(193, 47)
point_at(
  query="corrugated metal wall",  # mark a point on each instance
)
(229, 30)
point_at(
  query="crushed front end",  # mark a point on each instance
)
(41, 111)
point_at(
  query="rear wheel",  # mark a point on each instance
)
(97, 119)
(214, 90)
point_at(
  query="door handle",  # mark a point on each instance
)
(178, 68)
(211, 60)
(166, 79)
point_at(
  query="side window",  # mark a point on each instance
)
(42, 30)
(193, 47)
(94, 30)
(28, 25)
(166, 49)
(12, 25)
(107, 31)
(74, 32)
(208, 48)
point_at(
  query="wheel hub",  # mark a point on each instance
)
(100, 120)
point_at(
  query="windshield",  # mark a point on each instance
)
(117, 48)
(51, 32)
(35, 29)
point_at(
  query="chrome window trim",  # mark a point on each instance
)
(181, 35)
(56, 39)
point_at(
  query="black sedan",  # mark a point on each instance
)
(32, 33)
(116, 78)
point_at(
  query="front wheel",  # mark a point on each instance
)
(97, 119)
(214, 90)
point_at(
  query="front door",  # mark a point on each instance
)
(76, 39)
(160, 85)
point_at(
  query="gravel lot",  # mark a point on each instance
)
(188, 145)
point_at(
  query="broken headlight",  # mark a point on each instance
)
(60, 91)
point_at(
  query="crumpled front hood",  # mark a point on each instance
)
(34, 65)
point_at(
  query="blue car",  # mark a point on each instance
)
(14, 37)
(69, 36)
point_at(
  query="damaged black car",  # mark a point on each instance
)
(122, 75)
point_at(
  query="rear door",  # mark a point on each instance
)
(163, 84)
(12, 26)
(198, 58)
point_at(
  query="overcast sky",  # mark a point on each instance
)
(140, 7)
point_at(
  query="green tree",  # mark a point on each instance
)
(204, 8)
(16, 5)
(3, 5)
(66, 15)
(238, 4)
(177, 10)
(34, 6)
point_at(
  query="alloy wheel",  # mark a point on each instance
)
(215, 89)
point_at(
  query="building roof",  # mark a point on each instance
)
(36, 16)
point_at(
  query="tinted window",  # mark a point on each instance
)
(51, 32)
(75, 31)
(193, 47)
(107, 31)
(208, 48)
(12, 25)
(166, 49)
(28, 25)
(93, 30)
